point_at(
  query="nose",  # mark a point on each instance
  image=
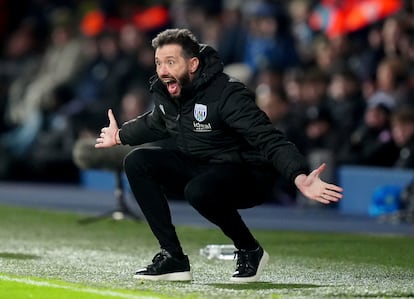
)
(162, 70)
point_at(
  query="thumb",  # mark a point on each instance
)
(112, 120)
(320, 169)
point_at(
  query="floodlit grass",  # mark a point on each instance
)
(47, 254)
(19, 288)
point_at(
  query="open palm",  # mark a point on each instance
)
(314, 188)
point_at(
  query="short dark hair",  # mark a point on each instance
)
(403, 115)
(183, 37)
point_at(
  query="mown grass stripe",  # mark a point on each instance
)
(80, 289)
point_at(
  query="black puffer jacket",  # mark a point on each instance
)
(217, 120)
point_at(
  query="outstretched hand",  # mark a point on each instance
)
(314, 188)
(108, 136)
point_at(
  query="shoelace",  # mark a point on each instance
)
(159, 257)
(242, 259)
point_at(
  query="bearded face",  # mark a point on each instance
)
(173, 69)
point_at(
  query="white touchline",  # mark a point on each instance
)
(71, 288)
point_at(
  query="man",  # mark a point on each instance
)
(225, 148)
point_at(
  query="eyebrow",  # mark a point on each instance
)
(167, 57)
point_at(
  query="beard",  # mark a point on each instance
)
(183, 82)
(186, 86)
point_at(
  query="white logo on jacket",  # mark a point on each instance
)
(201, 127)
(200, 112)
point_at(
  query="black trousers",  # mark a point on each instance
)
(216, 191)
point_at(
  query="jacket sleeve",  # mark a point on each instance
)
(240, 112)
(148, 127)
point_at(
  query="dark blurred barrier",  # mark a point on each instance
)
(361, 184)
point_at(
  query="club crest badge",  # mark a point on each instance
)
(200, 112)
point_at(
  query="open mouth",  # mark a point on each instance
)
(172, 85)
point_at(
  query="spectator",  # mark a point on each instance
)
(131, 39)
(270, 77)
(312, 93)
(366, 61)
(291, 84)
(345, 98)
(299, 12)
(19, 57)
(323, 54)
(402, 128)
(268, 42)
(60, 62)
(392, 31)
(274, 103)
(391, 77)
(371, 143)
(99, 85)
(232, 38)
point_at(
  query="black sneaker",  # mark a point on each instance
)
(250, 264)
(166, 267)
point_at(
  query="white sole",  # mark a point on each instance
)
(177, 276)
(262, 264)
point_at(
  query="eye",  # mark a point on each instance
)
(170, 62)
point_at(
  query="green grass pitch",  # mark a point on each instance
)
(45, 255)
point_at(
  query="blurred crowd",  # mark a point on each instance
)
(344, 95)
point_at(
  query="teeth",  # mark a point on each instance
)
(166, 81)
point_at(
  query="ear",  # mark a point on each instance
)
(194, 62)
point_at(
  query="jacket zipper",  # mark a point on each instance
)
(180, 126)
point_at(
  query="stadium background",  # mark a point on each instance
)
(319, 68)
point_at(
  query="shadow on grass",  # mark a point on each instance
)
(263, 286)
(18, 256)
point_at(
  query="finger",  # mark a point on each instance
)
(316, 172)
(321, 168)
(332, 193)
(98, 143)
(112, 120)
(334, 188)
(322, 200)
(330, 197)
